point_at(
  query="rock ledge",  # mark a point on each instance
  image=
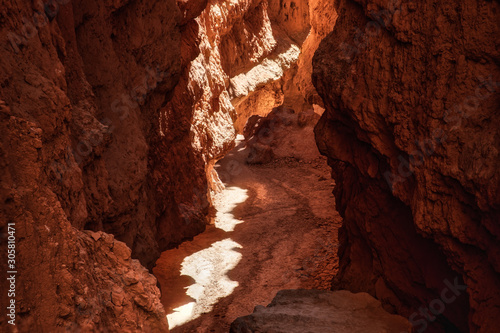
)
(320, 311)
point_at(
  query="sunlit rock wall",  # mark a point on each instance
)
(113, 114)
(283, 76)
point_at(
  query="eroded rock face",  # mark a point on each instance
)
(271, 51)
(283, 133)
(82, 83)
(283, 76)
(119, 111)
(299, 92)
(67, 279)
(411, 133)
(228, 51)
(320, 311)
(92, 82)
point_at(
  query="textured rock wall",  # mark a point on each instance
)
(284, 76)
(411, 133)
(114, 113)
(66, 280)
(299, 91)
(273, 51)
(302, 310)
(300, 24)
(82, 83)
(92, 79)
(230, 50)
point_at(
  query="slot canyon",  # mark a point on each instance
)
(250, 166)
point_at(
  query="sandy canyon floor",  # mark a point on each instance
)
(275, 228)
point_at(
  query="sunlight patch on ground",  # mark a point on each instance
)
(239, 142)
(225, 203)
(181, 315)
(208, 268)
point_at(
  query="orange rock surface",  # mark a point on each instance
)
(411, 133)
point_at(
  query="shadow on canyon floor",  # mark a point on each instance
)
(276, 228)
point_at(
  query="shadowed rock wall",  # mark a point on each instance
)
(411, 133)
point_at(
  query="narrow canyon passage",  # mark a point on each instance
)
(243, 166)
(275, 228)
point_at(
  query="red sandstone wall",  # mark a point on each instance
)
(112, 115)
(411, 133)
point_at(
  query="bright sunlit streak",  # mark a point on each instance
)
(225, 203)
(181, 315)
(209, 268)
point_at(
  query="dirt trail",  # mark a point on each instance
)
(276, 228)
